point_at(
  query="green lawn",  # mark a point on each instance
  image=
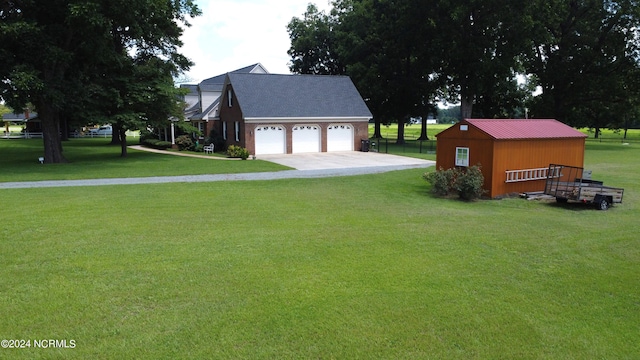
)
(95, 158)
(353, 267)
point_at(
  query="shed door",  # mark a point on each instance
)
(340, 137)
(270, 139)
(306, 138)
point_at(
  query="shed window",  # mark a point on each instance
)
(462, 156)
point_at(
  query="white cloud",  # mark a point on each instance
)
(231, 34)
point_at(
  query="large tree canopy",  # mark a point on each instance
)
(74, 58)
(313, 42)
(585, 55)
(382, 44)
(405, 54)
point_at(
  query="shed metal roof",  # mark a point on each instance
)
(508, 129)
(301, 96)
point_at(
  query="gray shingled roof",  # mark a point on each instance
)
(206, 111)
(18, 116)
(193, 89)
(300, 96)
(215, 83)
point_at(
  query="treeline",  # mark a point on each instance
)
(576, 61)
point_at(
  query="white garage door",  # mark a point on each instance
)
(340, 137)
(306, 138)
(270, 139)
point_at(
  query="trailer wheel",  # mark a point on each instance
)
(603, 204)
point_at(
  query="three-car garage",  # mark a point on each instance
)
(305, 138)
(289, 114)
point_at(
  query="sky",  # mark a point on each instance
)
(231, 34)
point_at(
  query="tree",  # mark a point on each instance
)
(78, 44)
(313, 44)
(387, 48)
(135, 94)
(403, 54)
(482, 42)
(585, 55)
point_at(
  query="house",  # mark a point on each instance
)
(284, 114)
(203, 99)
(514, 154)
(29, 120)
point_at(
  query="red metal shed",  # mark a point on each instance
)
(514, 154)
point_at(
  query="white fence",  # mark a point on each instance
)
(38, 135)
(21, 135)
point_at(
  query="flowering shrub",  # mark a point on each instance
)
(237, 152)
(467, 182)
(441, 181)
(185, 142)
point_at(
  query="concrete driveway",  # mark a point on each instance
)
(312, 165)
(344, 160)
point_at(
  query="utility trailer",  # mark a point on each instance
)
(573, 183)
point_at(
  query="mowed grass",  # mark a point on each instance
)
(95, 158)
(351, 267)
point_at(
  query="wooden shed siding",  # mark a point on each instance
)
(531, 154)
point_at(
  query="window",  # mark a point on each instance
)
(224, 130)
(462, 156)
(229, 97)
(237, 128)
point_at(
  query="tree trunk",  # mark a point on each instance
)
(115, 135)
(466, 106)
(597, 129)
(50, 119)
(400, 139)
(377, 134)
(123, 141)
(423, 130)
(64, 129)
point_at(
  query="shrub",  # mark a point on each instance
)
(185, 142)
(237, 152)
(441, 181)
(467, 182)
(156, 144)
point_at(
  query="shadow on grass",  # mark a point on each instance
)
(573, 206)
